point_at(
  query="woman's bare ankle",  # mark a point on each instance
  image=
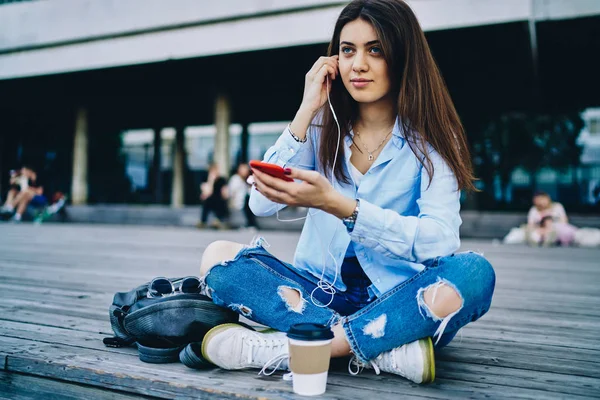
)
(339, 346)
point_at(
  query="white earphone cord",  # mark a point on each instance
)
(323, 285)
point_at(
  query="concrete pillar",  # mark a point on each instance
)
(222, 121)
(79, 186)
(533, 46)
(178, 169)
(156, 166)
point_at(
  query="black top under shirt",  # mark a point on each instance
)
(37, 183)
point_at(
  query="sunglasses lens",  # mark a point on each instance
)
(161, 287)
(190, 285)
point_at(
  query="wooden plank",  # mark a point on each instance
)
(539, 320)
(43, 319)
(362, 387)
(493, 356)
(522, 335)
(62, 336)
(503, 300)
(563, 355)
(87, 287)
(56, 296)
(24, 387)
(515, 377)
(77, 309)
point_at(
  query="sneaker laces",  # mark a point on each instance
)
(260, 348)
(385, 361)
(354, 361)
(274, 363)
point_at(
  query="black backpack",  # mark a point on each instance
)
(165, 329)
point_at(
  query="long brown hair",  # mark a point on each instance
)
(425, 108)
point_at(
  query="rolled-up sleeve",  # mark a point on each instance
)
(286, 152)
(433, 232)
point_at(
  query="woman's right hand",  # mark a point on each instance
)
(315, 83)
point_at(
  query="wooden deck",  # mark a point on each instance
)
(540, 340)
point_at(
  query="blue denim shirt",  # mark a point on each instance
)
(403, 220)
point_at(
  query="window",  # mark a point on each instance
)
(262, 136)
(138, 151)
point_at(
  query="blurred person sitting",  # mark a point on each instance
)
(547, 223)
(18, 181)
(214, 194)
(239, 194)
(30, 193)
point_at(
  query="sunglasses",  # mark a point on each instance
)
(162, 287)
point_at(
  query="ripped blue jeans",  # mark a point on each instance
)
(254, 283)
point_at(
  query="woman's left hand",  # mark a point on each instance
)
(314, 191)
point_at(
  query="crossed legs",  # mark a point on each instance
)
(441, 301)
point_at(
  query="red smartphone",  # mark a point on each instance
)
(271, 169)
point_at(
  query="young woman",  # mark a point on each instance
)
(375, 260)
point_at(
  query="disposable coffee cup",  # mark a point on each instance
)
(310, 351)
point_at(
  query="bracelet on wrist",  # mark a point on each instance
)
(296, 138)
(350, 221)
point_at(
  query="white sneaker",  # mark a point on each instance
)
(414, 361)
(7, 209)
(232, 346)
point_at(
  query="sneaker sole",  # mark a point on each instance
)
(428, 354)
(210, 334)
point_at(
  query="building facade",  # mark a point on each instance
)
(128, 101)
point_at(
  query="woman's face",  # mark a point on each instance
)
(363, 68)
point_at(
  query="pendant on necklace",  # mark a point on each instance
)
(370, 157)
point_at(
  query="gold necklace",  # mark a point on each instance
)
(371, 158)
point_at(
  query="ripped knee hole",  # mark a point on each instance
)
(293, 298)
(441, 299)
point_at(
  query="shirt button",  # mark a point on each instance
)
(292, 151)
(361, 239)
(378, 280)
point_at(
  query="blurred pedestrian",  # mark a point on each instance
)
(547, 222)
(214, 194)
(239, 194)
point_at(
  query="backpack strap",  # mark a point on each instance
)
(119, 314)
(123, 339)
